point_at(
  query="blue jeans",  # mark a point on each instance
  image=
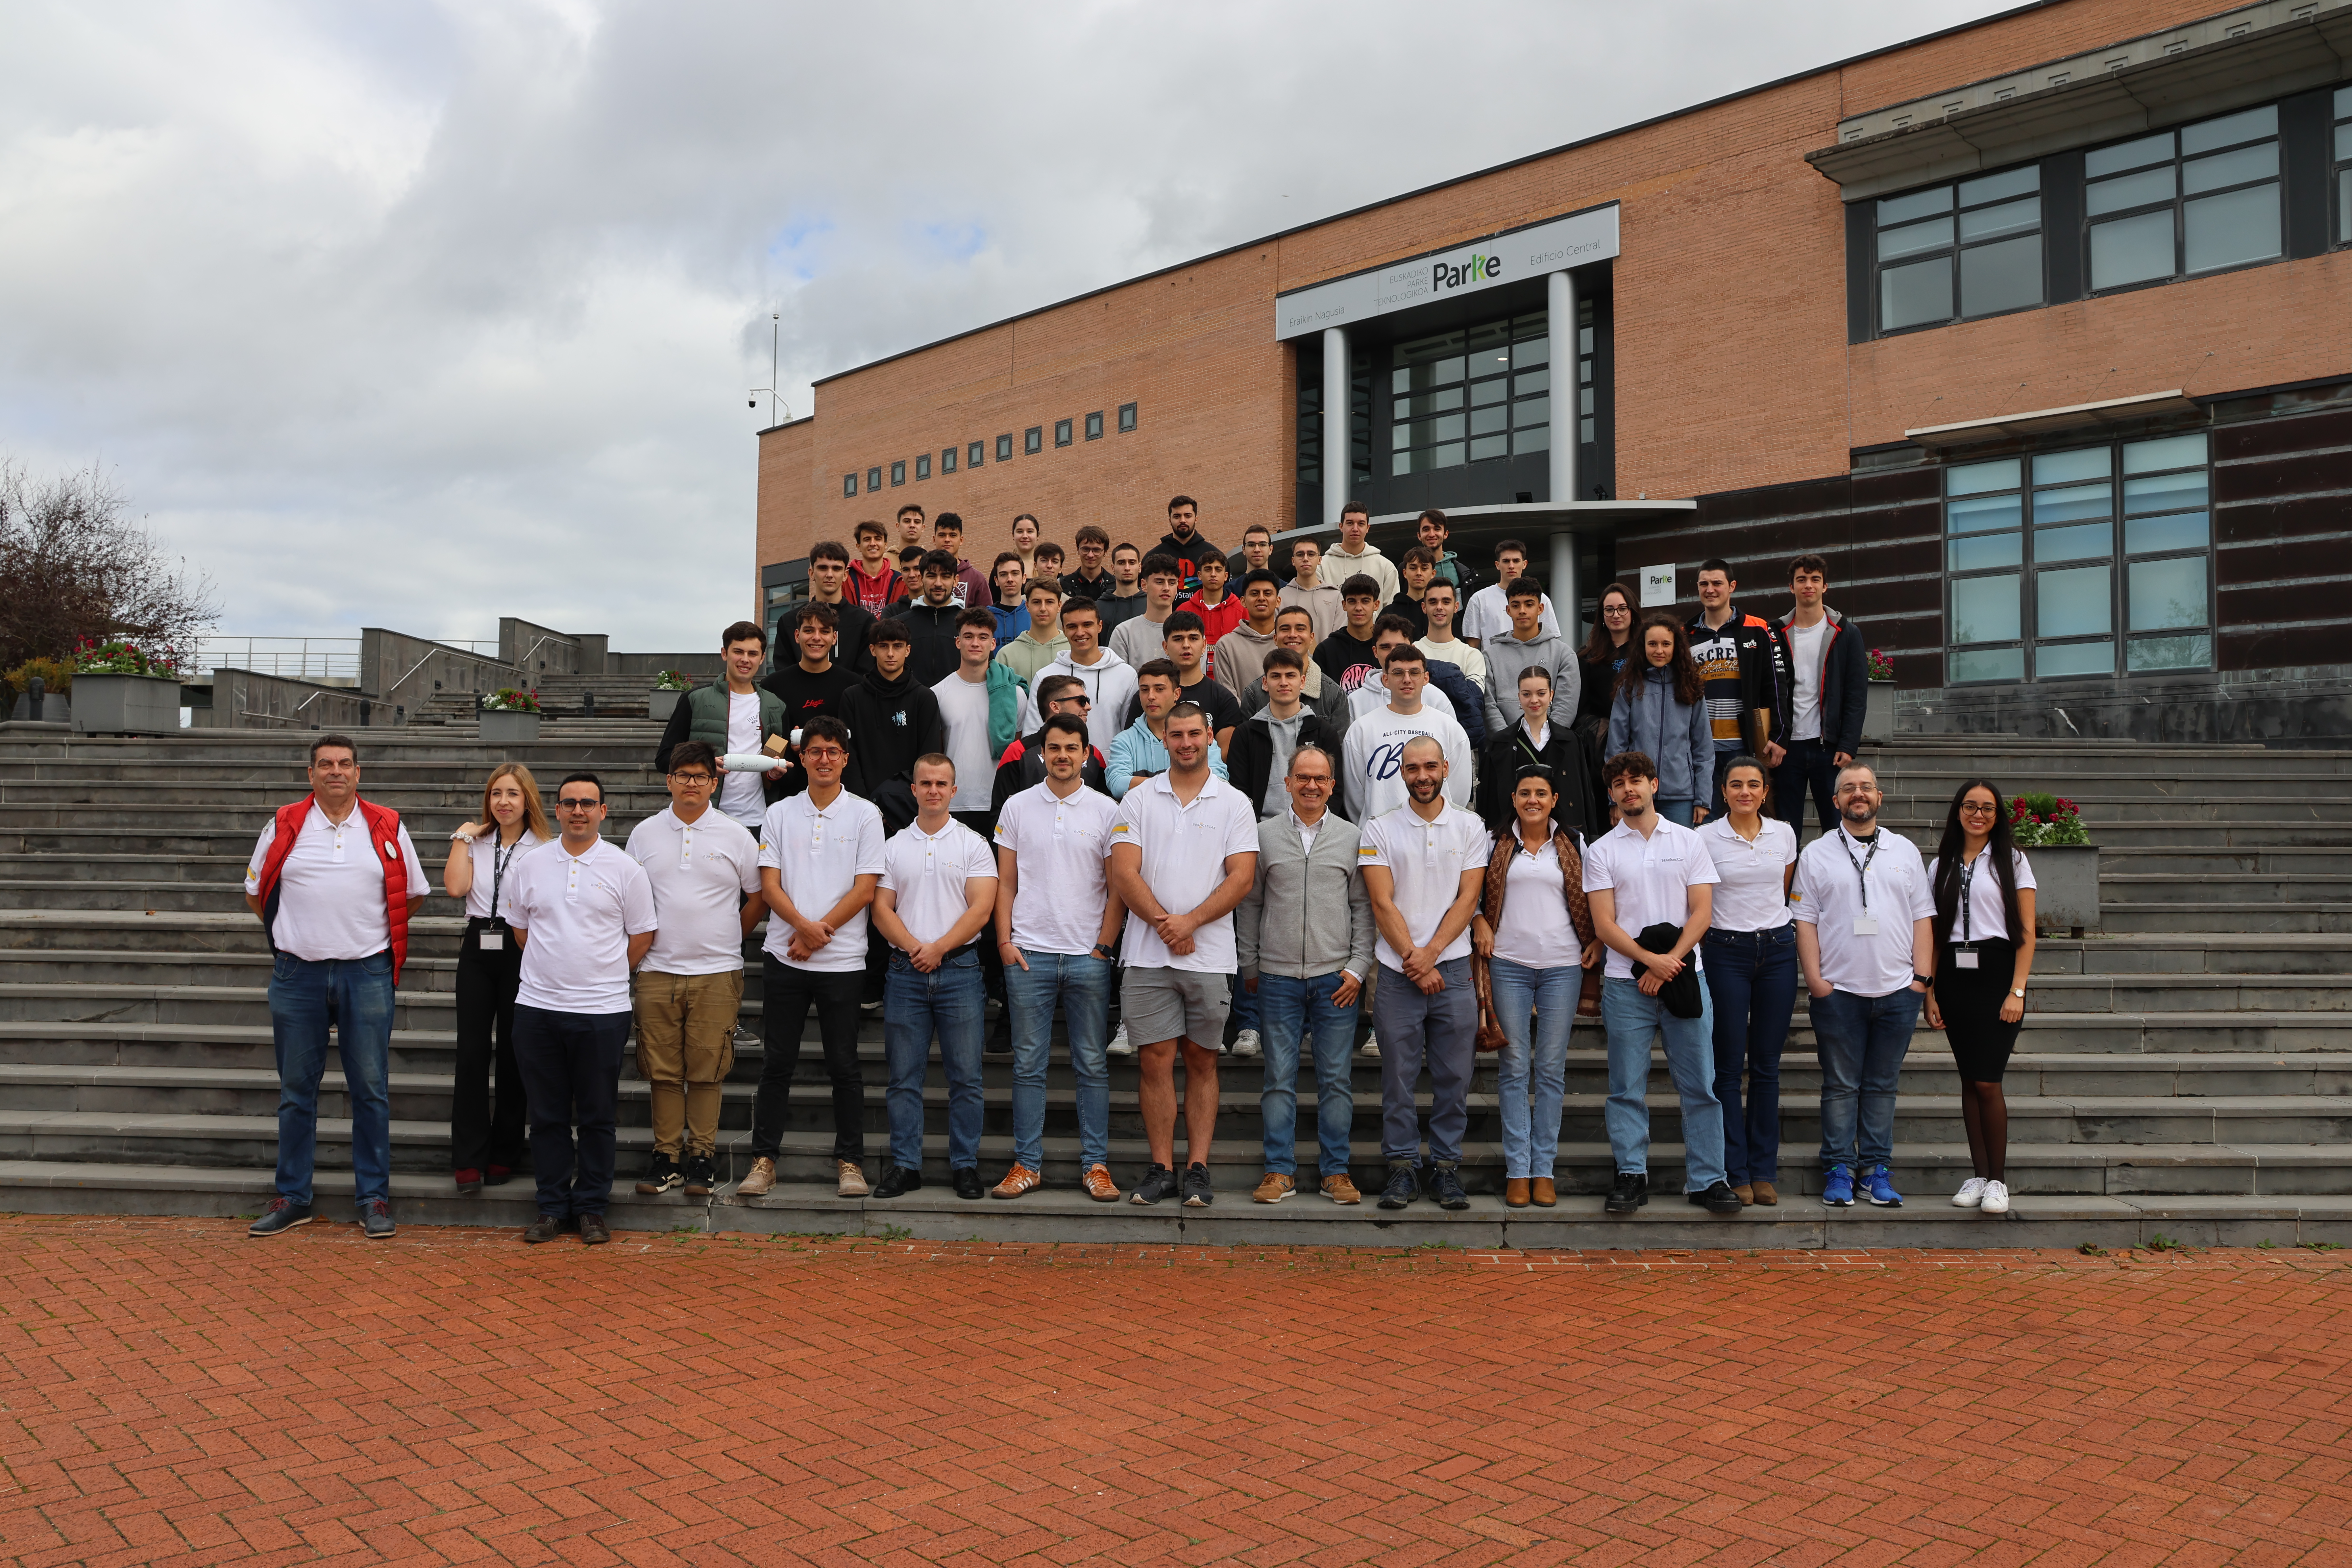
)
(1443, 1028)
(354, 996)
(571, 1065)
(1751, 982)
(952, 1000)
(1679, 812)
(1631, 1020)
(1533, 1072)
(1246, 1005)
(1081, 983)
(1287, 1009)
(1863, 1041)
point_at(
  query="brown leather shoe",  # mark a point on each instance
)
(851, 1179)
(546, 1228)
(593, 1232)
(1098, 1185)
(1341, 1189)
(758, 1180)
(1763, 1193)
(1515, 1193)
(1746, 1193)
(1019, 1180)
(1542, 1192)
(1274, 1188)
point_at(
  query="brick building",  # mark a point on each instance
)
(2040, 329)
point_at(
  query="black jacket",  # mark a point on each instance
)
(890, 724)
(1022, 766)
(1191, 554)
(1343, 652)
(1250, 766)
(1407, 608)
(931, 655)
(1074, 586)
(1845, 682)
(1583, 808)
(1763, 672)
(852, 620)
(1598, 686)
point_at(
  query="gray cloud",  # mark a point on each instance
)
(414, 316)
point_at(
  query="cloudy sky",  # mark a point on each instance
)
(411, 315)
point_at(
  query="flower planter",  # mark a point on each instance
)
(660, 705)
(1878, 713)
(505, 726)
(125, 705)
(2066, 888)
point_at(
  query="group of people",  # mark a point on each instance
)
(1201, 811)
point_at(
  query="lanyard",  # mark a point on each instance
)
(498, 869)
(1968, 905)
(1862, 866)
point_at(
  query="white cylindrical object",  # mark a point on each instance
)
(1338, 441)
(748, 761)
(1566, 391)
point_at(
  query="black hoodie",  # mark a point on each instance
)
(891, 722)
(1191, 552)
(931, 632)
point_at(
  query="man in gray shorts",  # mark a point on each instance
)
(1183, 853)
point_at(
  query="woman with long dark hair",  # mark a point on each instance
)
(487, 1135)
(1603, 657)
(1984, 954)
(1658, 709)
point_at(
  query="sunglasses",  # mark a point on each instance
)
(1077, 701)
(571, 803)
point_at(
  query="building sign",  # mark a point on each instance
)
(1549, 247)
(1657, 587)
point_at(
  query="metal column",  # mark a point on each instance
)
(1338, 441)
(1564, 398)
(1567, 592)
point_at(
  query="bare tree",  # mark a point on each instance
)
(75, 565)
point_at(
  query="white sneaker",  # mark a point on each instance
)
(1245, 1044)
(1996, 1197)
(1120, 1046)
(1971, 1194)
(1370, 1047)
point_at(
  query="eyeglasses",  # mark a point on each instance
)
(692, 778)
(571, 803)
(1978, 808)
(1616, 609)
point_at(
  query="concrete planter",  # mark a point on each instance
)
(2066, 888)
(660, 705)
(1878, 714)
(125, 705)
(503, 727)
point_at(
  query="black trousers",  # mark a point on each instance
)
(572, 1070)
(1810, 764)
(787, 994)
(487, 1106)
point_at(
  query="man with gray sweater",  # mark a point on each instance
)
(1304, 942)
(1528, 646)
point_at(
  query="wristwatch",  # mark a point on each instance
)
(1100, 951)
(1919, 979)
(2018, 991)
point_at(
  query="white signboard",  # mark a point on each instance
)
(1507, 258)
(1657, 587)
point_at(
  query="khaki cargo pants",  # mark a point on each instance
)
(686, 1047)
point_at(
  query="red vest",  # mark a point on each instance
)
(383, 832)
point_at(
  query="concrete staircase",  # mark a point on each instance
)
(2188, 1072)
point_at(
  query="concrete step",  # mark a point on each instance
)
(2133, 917)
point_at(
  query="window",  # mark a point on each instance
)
(2343, 153)
(1094, 426)
(1125, 418)
(923, 466)
(1584, 366)
(849, 484)
(1062, 436)
(899, 472)
(1004, 448)
(1470, 397)
(1983, 234)
(873, 481)
(1032, 440)
(977, 453)
(2180, 203)
(2041, 583)
(948, 459)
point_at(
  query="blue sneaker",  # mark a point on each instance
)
(1880, 1190)
(1838, 1190)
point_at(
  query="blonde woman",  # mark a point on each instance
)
(485, 1144)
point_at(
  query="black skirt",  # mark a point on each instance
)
(1970, 1000)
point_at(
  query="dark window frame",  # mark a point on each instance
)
(1504, 390)
(1094, 425)
(2339, 169)
(849, 485)
(2179, 202)
(1004, 448)
(1032, 440)
(898, 473)
(947, 460)
(1127, 418)
(872, 478)
(1955, 249)
(975, 455)
(922, 467)
(1064, 433)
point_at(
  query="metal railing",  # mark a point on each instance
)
(330, 659)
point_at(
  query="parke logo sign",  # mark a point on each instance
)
(1506, 257)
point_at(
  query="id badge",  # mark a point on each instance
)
(1964, 958)
(1865, 925)
(492, 940)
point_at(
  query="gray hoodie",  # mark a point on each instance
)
(1308, 914)
(1507, 655)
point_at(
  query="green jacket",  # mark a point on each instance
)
(706, 715)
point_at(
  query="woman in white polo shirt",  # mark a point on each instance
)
(487, 1132)
(1751, 974)
(1984, 952)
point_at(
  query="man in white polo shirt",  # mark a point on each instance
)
(1183, 853)
(334, 879)
(1424, 865)
(820, 863)
(583, 913)
(938, 892)
(1055, 921)
(1652, 887)
(1866, 943)
(705, 871)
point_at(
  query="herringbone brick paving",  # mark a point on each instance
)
(170, 1393)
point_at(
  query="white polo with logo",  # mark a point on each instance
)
(579, 912)
(1184, 847)
(699, 871)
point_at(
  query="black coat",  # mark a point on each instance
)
(1583, 809)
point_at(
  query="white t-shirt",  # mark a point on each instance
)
(926, 873)
(488, 858)
(1184, 849)
(1536, 930)
(1805, 653)
(1829, 898)
(1488, 615)
(699, 870)
(1372, 760)
(1751, 876)
(818, 857)
(1649, 879)
(330, 889)
(580, 913)
(1982, 918)
(740, 795)
(1426, 859)
(963, 709)
(1472, 662)
(1060, 847)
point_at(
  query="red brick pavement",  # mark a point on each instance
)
(170, 1393)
